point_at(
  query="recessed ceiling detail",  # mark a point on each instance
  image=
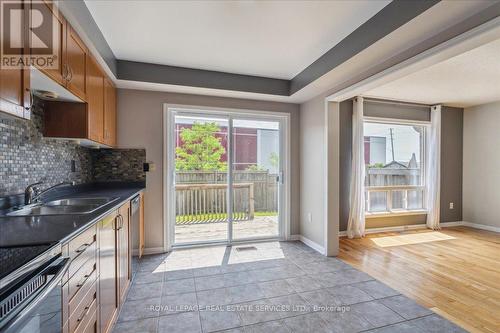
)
(276, 39)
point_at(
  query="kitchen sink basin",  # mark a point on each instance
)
(79, 202)
(63, 207)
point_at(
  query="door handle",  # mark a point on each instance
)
(279, 178)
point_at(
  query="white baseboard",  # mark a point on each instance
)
(481, 226)
(313, 245)
(149, 250)
(294, 237)
(423, 226)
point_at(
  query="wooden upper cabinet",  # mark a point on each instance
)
(15, 96)
(58, 31)
(95, 101)
(109, 113)
(76, 63)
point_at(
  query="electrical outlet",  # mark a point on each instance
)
(309, 217)
(452, 205)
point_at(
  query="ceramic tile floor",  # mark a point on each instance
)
(272, 287)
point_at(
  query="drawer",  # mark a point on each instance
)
(89, 285)
(83, 309)
(88, 321)
(78, 244)
(86, 274)
(91, 325)
(89, 253)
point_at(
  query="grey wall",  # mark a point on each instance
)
(451, 159)
(312, 169)
(140, 125)
(481, 165)
(452, 129)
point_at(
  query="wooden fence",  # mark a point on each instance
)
(207, 203)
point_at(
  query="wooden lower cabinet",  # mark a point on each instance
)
(124, 253)
(107, 269)
(99, 274)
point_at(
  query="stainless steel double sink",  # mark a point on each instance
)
(63, 207)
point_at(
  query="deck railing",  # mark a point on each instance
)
(208, 203)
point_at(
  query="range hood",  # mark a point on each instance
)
(45, 88)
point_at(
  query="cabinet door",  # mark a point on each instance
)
(15, 83)
(124, 270)
(141, 225)
(58, 31)
(109, 113)
(107, 267)
(95, 101)
(76, 60)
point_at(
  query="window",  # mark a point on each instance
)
(394, 162)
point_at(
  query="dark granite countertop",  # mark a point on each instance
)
(22, 230)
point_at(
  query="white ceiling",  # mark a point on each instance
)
(265, 38)
(469, 79)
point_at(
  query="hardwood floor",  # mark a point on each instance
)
(454, 271)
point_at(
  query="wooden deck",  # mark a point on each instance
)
(454, 271)
(258, 227)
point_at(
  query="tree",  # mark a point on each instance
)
(274, 159)
(200, 149)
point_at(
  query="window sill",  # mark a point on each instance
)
(396, 213)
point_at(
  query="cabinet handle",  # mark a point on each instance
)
(82, 248)
(70, 72)
(86, 310)
(85, 277)
(31, 99)
(120, 217)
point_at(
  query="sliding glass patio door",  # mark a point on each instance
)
(227, 177)
(255, 178)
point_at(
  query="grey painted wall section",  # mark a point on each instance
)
(313, 184)
(481, 196)
(390, 18)
(451, 160)
(145, 72)
(452, 129)
(140, 125)
(397, 111)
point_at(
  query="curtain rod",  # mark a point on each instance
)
(387, 101)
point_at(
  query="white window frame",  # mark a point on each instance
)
(169, 112)
(390, 189)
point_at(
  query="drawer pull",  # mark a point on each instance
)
(86, 310)
(82, 248)
(85, 277)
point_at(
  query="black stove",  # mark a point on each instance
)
(18, 261)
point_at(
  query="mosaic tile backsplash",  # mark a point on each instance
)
(27, 157)
(119, 164)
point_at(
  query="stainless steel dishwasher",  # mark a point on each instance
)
(135, 205)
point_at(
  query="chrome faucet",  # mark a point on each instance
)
(33, 193)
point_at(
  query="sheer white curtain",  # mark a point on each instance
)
(433, 170)
(356, 224)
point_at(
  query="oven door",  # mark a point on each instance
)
(41, 310)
